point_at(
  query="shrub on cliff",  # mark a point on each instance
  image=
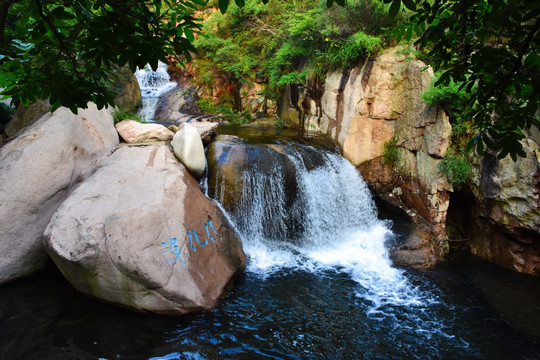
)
(286, 42)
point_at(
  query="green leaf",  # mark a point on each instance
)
(189, 35)
(533, 60)
(223, 5)
(240, 3)
(410, 4)
(409, 34)
(394, 8)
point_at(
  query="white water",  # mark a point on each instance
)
(153, 84)
(334, 220)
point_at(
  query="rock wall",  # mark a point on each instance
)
(499, 213)
(365, 108)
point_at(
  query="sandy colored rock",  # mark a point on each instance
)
(134, 132)
(26, 116)
(189, 149)
(365, 108)
(37, 171)
(140, 233)
(437, 136)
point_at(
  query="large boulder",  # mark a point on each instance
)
(189, 149)
(37, 171)
(134, 132)
(140, 233)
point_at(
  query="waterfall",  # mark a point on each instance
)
(299, 208)
(153, 84)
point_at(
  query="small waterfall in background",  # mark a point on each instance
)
(302, 208)
(153, 84)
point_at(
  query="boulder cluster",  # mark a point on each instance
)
(126, 222)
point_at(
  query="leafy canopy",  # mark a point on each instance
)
(491, 49)
(67, 51)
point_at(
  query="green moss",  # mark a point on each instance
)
(390, 151)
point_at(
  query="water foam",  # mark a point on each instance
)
(153, 84)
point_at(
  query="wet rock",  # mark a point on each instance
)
(134, 132)
(415, 251)
(38, 169)
(189, 149)
(177, 104)
(225, 159)
(140, 233)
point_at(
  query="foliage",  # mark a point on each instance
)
(455, 168)
(279, 123)
(490, 48)
(390, 151)
(66, 50)
(234, 117)
(120, 115)
(286, 43)
(452, 98)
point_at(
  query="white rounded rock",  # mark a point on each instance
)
(189, 149)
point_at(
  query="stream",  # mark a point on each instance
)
(318, 285)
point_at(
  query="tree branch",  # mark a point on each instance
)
(503, 82)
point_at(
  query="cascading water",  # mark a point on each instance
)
(153, 84)
(302, 208)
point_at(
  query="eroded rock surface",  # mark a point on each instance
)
(503, 222)
(37, 171)
(140, 233)
(365, 108)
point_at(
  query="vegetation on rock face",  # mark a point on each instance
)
(390, 151)
(491, 50)
(285, 43)
(452, 98)
(120, 115)
(234, 117)
(455, 167)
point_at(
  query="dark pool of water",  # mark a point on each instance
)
(475, 311)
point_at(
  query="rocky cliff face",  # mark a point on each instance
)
(499, 214)
(377, 116)
(365, 108)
